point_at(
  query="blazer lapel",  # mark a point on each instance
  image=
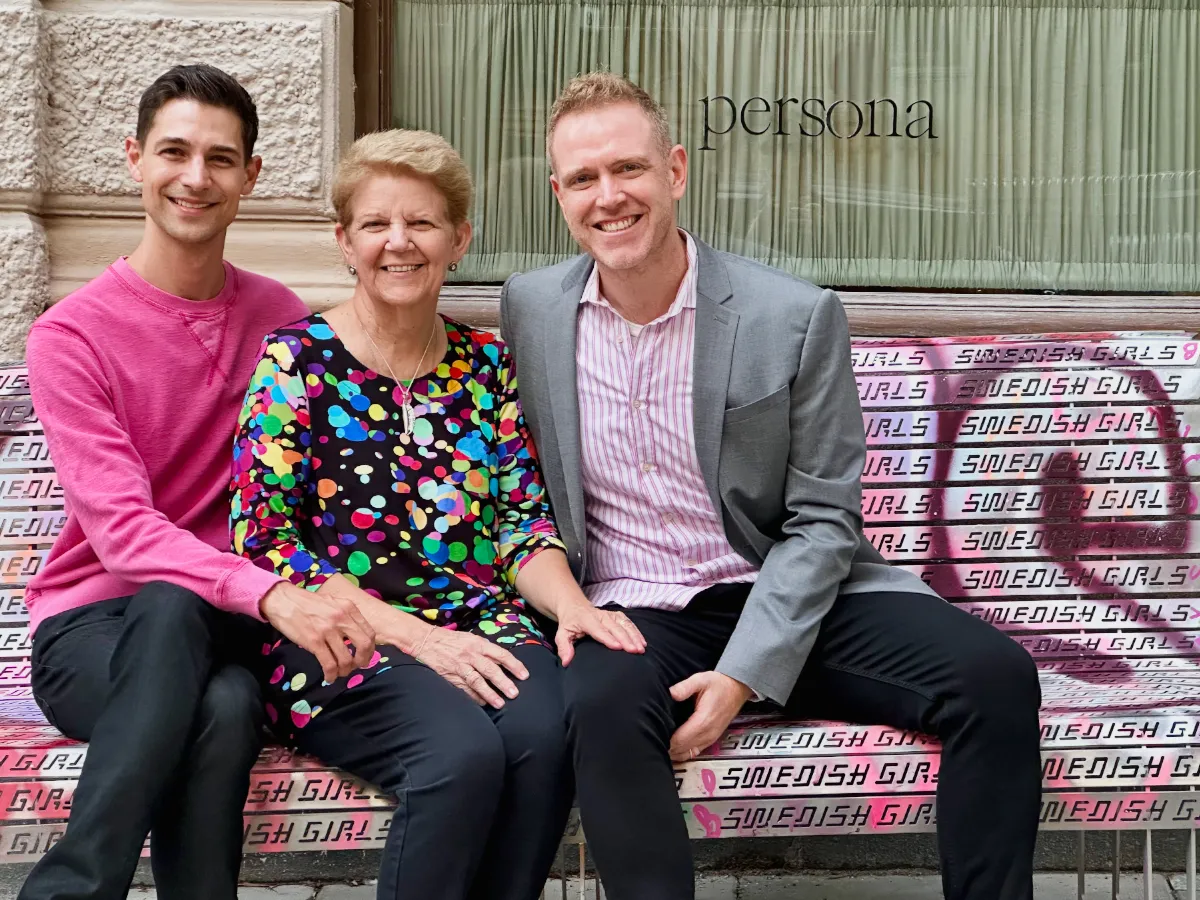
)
(562, 324)
(716, 327)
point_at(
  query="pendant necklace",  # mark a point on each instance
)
(408, 417)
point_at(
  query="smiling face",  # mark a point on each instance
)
(400, 239)
(616, 186)
(192, 170)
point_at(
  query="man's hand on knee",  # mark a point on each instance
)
(323, 624)
(718, 699)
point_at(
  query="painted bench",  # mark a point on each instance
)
(1047, 483)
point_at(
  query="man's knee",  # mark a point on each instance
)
(999, 680)
(609, 692)
(167, 609)
(230, 719)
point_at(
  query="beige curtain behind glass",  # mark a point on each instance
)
(1051, 145)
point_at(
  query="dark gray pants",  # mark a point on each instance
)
(484, 793)
(907, 660)
(173, 725)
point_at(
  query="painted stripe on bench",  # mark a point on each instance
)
(1009, 387)
(1068, 811)
(1029, 501)
(913, 356)
(1046, 578)
(1007, 425)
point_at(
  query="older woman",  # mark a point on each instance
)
(382, 455)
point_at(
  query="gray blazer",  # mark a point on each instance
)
(779, 436)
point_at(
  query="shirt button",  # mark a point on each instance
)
(638, 404)
(669, 518)
(691, 563)
(647, 467)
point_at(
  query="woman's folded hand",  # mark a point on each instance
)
(473, 664)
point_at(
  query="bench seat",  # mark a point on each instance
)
(1049, 484)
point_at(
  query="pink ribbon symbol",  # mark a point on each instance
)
(710, 823)
(709, 780)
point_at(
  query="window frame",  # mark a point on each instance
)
(373, 47)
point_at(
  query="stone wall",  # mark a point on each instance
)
(71, 72)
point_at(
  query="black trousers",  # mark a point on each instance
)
(907, 660)
(483, 793)
(173, 725)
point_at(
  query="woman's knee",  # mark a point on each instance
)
(537, 736)
(463, 761)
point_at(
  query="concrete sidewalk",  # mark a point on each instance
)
(774, 887)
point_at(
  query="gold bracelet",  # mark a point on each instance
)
(421, 646)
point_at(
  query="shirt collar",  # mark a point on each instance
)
(685, 297)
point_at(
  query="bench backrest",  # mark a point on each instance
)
(1046, 483)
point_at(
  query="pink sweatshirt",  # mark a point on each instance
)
(139, 393)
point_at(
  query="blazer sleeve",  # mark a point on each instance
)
(800, 576)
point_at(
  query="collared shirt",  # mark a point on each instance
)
(653, 536)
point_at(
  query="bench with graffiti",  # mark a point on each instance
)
(1049, 484)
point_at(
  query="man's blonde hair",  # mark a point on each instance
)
(594, 90)
(404, 151)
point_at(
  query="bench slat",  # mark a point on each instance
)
(1025, 502)
(916, 356)
(1014, 424)
(956, 581)
(1037, 463)
(1035, 540)
(1020, 387)
(915, 813)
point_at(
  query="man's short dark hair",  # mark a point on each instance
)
(204, 84)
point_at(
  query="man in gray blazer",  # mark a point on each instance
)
(702, 444)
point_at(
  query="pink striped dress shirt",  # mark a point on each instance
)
(653, 537)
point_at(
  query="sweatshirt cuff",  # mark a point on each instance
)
(244, 587)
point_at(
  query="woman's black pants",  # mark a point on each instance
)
(174, 723)
(483, 793)
(911, 661)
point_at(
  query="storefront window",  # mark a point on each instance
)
(1007, 144)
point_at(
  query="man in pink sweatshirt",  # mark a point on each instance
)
(142, 619)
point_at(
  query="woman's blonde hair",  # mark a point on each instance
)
(404, 151)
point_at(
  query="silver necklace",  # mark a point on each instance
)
(408, 417)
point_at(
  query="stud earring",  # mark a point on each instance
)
(454, 267)
(353, 272)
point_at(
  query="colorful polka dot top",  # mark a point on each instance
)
(437, 523)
